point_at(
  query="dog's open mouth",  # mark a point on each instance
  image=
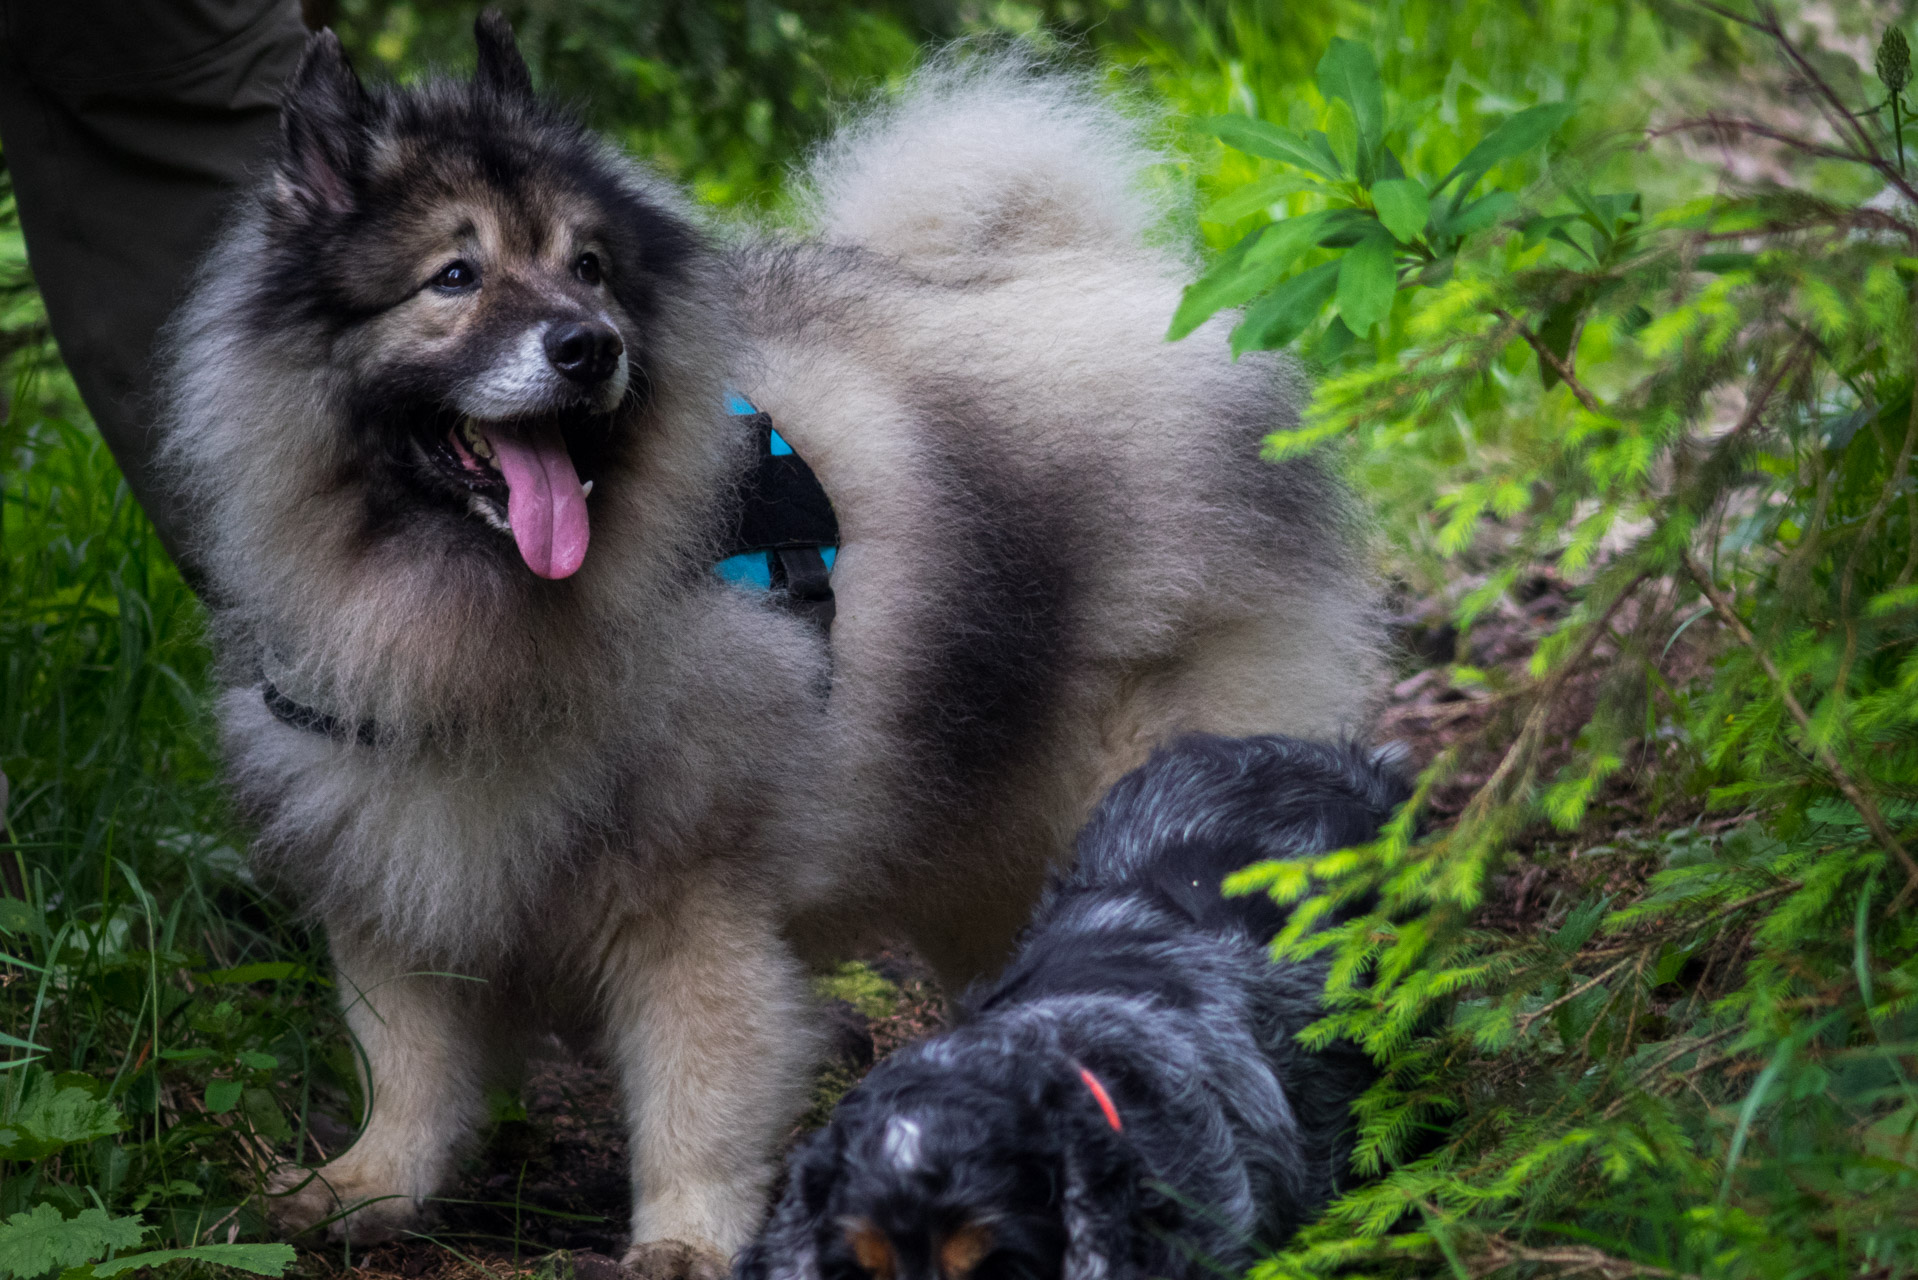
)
(520, 478)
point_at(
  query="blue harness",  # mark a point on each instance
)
(785, 535)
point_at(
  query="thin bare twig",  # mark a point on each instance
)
(1844, 121)
(1525, 1023)
(1757, 129)
(1645, 1077)
(1486, 796)
(1562, 368)
(1790, 886)
(1576, 1259)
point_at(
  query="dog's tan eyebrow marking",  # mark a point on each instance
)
(872, 1249)
(964, 1249)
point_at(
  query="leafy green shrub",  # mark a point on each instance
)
(1701, 419)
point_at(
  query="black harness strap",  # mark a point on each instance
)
(783, 511)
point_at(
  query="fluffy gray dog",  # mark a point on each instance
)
(450, 396)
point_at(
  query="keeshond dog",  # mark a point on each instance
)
(1129, 1100)
(450, 396)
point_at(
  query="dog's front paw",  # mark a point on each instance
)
(348, 1204)
(677, 1260)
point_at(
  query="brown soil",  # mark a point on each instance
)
(547, 1192)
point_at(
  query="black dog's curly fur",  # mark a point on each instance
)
(986, 1153)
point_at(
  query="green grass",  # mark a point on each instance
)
(143, 968)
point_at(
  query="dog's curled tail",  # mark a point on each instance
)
(987, 157)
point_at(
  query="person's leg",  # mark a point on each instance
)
(127, 129)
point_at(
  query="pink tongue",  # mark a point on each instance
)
(543, 500)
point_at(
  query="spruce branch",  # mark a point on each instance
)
(1860, 801)
(1900, 469)
(1491, 792)
(1526, 1022)
(1563, 368)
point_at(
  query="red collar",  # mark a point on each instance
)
(1103, 1098)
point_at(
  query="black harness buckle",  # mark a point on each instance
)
(783, 511)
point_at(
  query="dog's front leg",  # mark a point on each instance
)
(707, 1023)
(423, 1042)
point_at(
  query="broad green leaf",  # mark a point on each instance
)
(1226, 283)
(52, 1116)
(1260, 138)
(1342, 131)
(1610, 214)
(39, 1241)
(18, 917)
(1283, 314)
(1322, 147)
(1284, 241)
(223, 1095)
(260, 1259)
(1348, 73)
(264, 1114)
(1553, 227)
(1367, 280)
(1521, 133)
(1346, 227)
(1481, 213)
(1337, 339)
(195, 1054)
(1255, 197)
(1254, 265)
(1402, 206)
(1557, 332)
(268, 971)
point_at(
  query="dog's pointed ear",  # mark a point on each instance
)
(502, 71)
(322, 124)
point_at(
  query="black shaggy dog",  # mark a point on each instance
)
(1128, 1100)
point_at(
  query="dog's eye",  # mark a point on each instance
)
(457, 274)
(587, 268)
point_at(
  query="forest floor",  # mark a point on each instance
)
(546, 1192)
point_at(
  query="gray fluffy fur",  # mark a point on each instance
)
(621, 798)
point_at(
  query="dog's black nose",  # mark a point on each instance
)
(584, 351)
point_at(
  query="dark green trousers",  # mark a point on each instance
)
(128, 125)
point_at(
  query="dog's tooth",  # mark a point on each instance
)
(586, 490)
(476, 439)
